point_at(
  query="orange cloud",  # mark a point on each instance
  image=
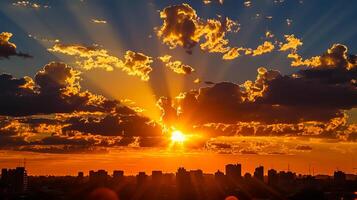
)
(292, 43)
(7, 48)
(28, 4)
(99, 21)
(336, 56)
(266, 47)
(210, 1)
(182, 27)
(134, 64)
(176, 66)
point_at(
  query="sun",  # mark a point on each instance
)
(178, 136)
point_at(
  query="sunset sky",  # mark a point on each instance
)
(144, 85)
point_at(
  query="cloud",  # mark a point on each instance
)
(134, 63)
(234, 52)
(28, 4)
(210, 1)
(304, 148)
(315, 94)
(114, 125)
(182, 27)
(7, 48)
(336, 57)
(55, 89)
(50, 113)
(99, 21)
(266, 47)
(176, 66)
(292, 43)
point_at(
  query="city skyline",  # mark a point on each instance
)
(182, 184)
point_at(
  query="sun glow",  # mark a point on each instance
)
(178, 136)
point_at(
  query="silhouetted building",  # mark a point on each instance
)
(80, 175)
(184, 184)
(118, 174)
(259, 173)
(141, 178)
(196, 174)
(219, 175)
(156, 176)
(15, 180)
(273, 177)
(182, 174)
(339, 177)
(286, 178)
(234, 171)
(100, 176)
(247, 175)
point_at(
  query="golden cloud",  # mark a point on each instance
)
(292, 43)
(266, 47)
(182, 27)
(7, 48)
(28, 4)
(176, 66)
(232, 53)
(99, 21)
(335, 57)
(134, 64)
(210, 1)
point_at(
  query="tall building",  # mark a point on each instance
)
(156, 176)
(273, 177)
(259, 173)
(339, 177)
(234, 171)
(80, 175)
(141, 178)
(15, 179)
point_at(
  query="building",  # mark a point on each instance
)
(273, 177)
(118, 174)
(141, 178)
(156, 176)
(259, 173)
(234, 171)
(80, 175)
(100, 176)
(15, 180)
(339, 177)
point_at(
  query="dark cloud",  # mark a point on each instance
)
(182, 27)
(50, 113)
(55, 89)
(115, 125)
(315, 94)
(7, 48)
(304, 148)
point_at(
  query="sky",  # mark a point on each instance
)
(200, 84)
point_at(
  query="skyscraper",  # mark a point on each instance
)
(234, 171)
(15, 179)
(259, 173)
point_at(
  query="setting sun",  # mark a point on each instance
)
(178, 136)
